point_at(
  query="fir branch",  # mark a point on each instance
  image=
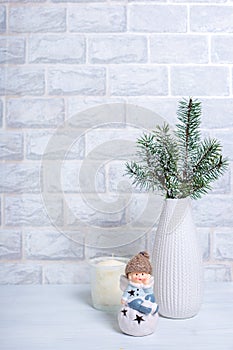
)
(180, 164)
(188, 133)
(209, 150)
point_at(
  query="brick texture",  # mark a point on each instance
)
(170, 19)
(137, 81)
(172, 48)
(79, 82)
(83, 81)
(22, 81)
(47, 49)
(35, 113)
(97, 18)
(211, 19)
(12, 50)
(202, 81)
(37, 19)
(118, 49)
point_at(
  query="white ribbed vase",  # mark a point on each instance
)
(177, 262)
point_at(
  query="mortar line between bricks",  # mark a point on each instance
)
(211, 244)
(148, 44)
(231, 179)
(127, 17)
(1, 209)
(75, 67)
(87, 49)
(27, 39)
(4, 112)
(188, 20)
(230, 80)
(173, 96)
(133, 34)
(66, 111)
(231, 271)
(3, 206)
(169, 80)
(24, 145)
(107, 83)
(42, 274)
(209, 40)
(208, 4)
(107, 184)
(23, 247)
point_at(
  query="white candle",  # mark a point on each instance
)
(105, 282)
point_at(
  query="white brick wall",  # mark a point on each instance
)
(20, 81)
(34, 113)
(157, 18)
(75, 79)
(117, 49)
(101, 18)
(37, 19)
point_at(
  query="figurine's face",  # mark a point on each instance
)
(138, 277)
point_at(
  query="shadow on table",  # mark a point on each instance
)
(84, 296)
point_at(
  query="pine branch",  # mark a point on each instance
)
(158, 161)
(178, 165)
(209, 167)
(188, 134)
(143, 178)
(209, 150)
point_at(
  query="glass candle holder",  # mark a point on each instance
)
(105, 282)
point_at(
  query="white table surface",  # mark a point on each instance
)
(52, 317)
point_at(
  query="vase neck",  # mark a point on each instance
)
(175, 211)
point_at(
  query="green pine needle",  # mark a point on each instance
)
(178, 164)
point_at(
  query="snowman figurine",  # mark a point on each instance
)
(138, 315)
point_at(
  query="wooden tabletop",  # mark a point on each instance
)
(60, 317)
